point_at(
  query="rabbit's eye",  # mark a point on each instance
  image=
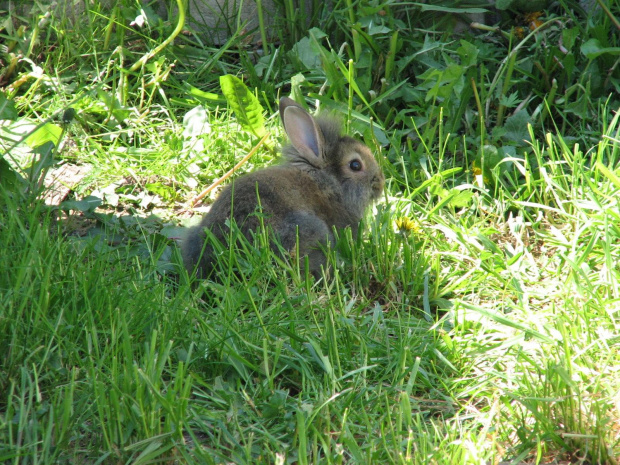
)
(355, 165)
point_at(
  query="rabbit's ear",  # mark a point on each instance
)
(302, 130)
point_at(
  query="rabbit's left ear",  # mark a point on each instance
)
(302, 130)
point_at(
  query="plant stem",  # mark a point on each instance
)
(196, 199)
(389, 62)
(165, 43)
(261, 25)
(479, 105)
(608, 12)
(548, 102)
(502, 108)
(350, 105)
(351, 12)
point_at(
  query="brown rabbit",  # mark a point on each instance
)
(326, 180)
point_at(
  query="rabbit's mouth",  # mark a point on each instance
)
(377, 187)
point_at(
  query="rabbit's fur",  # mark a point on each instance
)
(325, 180)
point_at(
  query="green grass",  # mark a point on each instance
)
(475, 320)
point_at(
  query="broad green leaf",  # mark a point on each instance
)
(317, 33)
(244, 103)
(460, 198)
(9, 179)
(593, 48)
(516, 127)
(47, 133)
(201, 95)
(488, 158)
(87, 204)
(468, 53)
(7, 108)
(569, 36)
(447, 9)
(34, 135)
(374, 29)
(45, 152)
(503, 4)
(306, 51)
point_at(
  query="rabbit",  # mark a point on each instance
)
(326, 179)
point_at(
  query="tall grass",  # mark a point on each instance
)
(474, 320)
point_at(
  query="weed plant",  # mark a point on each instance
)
(475, 319)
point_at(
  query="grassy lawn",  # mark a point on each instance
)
(475, 319)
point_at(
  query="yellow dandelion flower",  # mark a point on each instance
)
(407, 225)
(532, 19)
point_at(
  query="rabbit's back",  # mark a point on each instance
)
(282, 190)
(289, 201)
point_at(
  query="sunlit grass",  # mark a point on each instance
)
(474, 319)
